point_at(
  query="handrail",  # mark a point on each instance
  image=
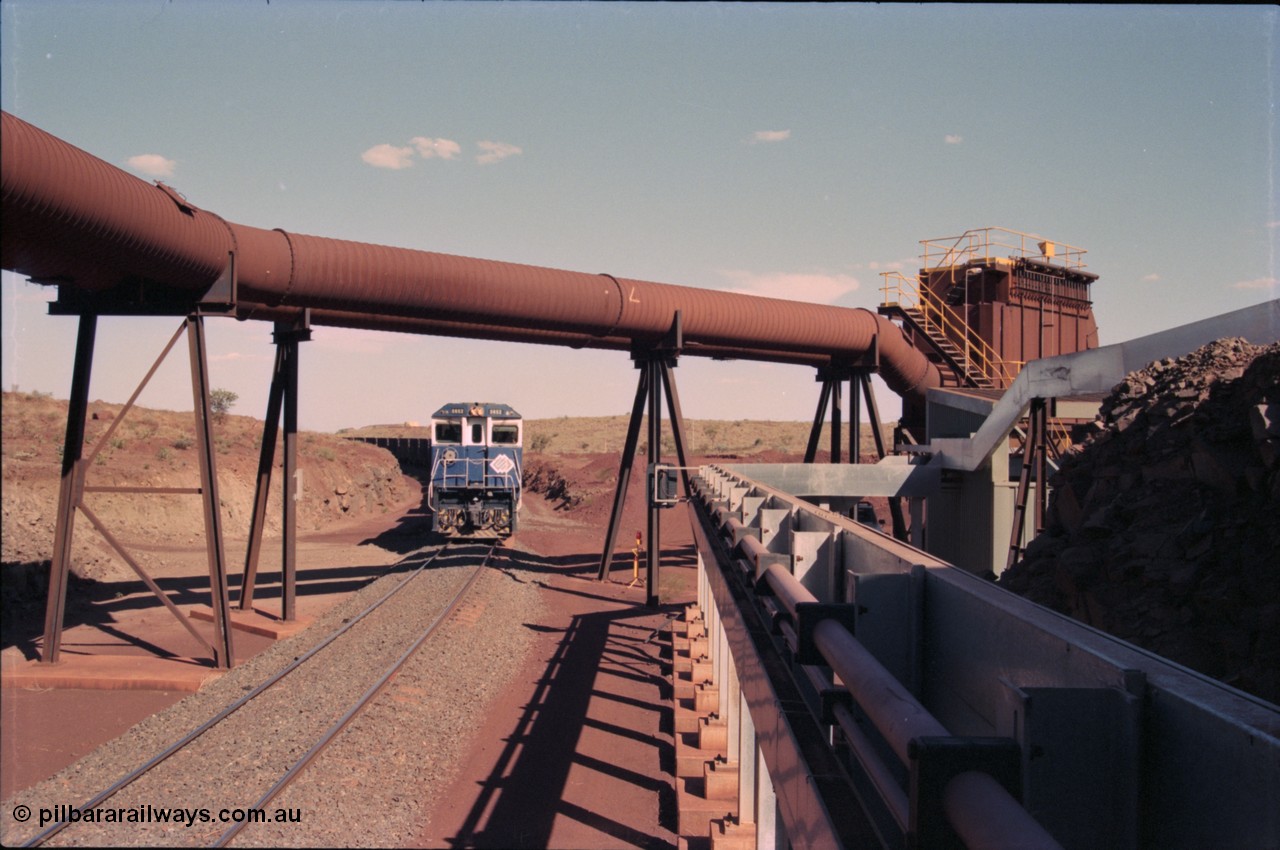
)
(443, 472)
(979, 357)
(976, 246)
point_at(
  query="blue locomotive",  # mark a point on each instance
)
(476, 465)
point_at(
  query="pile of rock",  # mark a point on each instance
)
(1164, 526)
(552, 485)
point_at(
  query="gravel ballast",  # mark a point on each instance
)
(371, 786)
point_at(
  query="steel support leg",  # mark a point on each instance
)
(677, 420)
(815, 433)
(224, 656)
(1035, 435)
(656, 379)
(266, 459)
(836, 427)
(855, 421)
(70, 490)
(624, 471)
(292, 482)
(283, 393)
(1040, 424)
(873, 413)
(653, 551)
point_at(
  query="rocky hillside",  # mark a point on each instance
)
(342, 480)
(1164, 526)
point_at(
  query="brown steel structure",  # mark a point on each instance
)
(988, 301)
(71, 218)
(114, 245)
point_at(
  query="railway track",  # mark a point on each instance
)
(251, 751)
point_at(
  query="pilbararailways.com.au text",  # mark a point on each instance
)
(153, 814)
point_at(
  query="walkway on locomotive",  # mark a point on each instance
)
(476, 446)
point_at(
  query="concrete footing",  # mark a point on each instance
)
(108, 673)
(706, 781)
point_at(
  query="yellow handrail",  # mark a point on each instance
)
(979, 358)
(979, 244)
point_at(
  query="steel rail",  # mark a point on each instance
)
(367, 697)
(129, 778)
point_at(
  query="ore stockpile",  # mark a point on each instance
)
(1164, 525)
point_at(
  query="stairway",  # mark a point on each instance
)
(944, 351)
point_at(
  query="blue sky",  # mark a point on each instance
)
(787, 150)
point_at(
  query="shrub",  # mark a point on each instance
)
(220, 402)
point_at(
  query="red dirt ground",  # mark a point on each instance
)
(44, 730)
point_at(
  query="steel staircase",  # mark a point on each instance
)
(954, 345)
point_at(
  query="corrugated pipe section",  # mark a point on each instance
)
(72, 219)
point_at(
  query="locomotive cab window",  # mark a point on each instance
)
(448, 432)
(506, 435)
(477, 433)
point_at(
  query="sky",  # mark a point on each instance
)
(788, 150)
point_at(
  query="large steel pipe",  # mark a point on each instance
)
(73, 219)
(471, 330)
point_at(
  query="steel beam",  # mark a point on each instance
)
(224, 656)
(266, 460)
(70, 490)
(624, 470)
(653, 552)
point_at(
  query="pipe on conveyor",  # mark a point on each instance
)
(72, 219)
(788, 589)
(754, 550)
(981, 811)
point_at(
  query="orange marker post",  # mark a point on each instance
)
(635, 560)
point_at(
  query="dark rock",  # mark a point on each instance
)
(1162, 523)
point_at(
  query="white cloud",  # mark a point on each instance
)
(769, 136)
(1257, 283)
(152, 164)
(388, 156)
(443, 148)
(814, 287)
(953, 138)
(496, 152)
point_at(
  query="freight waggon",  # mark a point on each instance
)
(476, 466)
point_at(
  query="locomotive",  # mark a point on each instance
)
(476, 466)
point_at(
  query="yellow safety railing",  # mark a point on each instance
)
(1060, 435)
(978, 358)
(986, 244)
